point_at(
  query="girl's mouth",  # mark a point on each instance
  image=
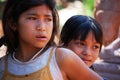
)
(86, 60)
(41, 38)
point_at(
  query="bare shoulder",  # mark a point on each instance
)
(67, 60)
(64, 51)
(72, 66)
(65, 54)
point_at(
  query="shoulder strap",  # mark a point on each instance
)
(50, 55)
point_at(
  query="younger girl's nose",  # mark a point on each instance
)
(87, 51)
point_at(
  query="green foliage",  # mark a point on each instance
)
(88, 7)
(2, 2)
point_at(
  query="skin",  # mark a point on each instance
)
(72, 67)
(87, 50)
(34, 30)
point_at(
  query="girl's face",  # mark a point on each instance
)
(87, 50)
(35, 27)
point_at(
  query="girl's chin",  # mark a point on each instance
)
(87, 63)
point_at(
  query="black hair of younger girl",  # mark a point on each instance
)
(12, 11)
(78, 27)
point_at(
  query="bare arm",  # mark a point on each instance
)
(73, 68)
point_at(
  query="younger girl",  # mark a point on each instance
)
(30, 27)
(83, 35)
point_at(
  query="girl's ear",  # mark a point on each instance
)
(12, 24)
(14, 27)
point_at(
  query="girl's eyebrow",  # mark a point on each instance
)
(34, 14)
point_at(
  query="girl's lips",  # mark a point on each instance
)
(86, 60)
(42, 38)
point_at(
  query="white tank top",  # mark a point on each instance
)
(32, 66)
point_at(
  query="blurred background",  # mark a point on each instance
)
(88, 5)
(2, 2)
(68, 8)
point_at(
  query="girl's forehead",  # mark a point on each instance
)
(85, 35)
(40, 9)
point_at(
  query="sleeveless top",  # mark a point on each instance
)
(42, 74)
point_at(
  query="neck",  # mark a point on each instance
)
(26, 55)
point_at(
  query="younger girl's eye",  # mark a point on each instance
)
(79, 43)
(96, 47)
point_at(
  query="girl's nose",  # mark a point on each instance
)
(87, 51)
(40, 26)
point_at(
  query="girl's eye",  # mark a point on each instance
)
(80, 43)
(48, 19)
(96, 47)
(32, 18)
